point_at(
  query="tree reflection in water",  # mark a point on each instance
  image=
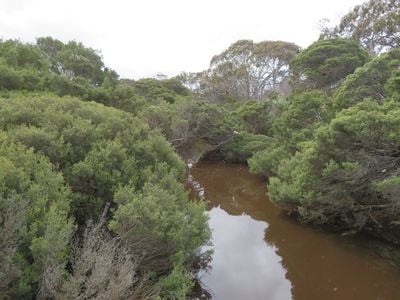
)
(260, 253)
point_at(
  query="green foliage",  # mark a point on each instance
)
(352, 161)
(73, 60)
(121, 97)
(266, 161)
(295, 184)
(331, 154)
(375, 25)
(370, 81)
(177, 285)
(66, 69)
(63, 86)
(368, 123)
(335, 159)
(175, 85)
(326, 62)
(188, 121)
(154, 90)
(9, 78)
(392, 86)
(34, 219)
(389, 187)
(196, 127)
(305, 112)
(22, 66)
(160, 211)
(171, 227)
(78, 61)
(243, 146)
(19, 55)
(106, 156)
(254, 116)
(247, 70)
(96, 147)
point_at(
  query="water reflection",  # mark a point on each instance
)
(232, 276)
(259, 253)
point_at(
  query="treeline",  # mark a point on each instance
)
(324, 125)
(321, 123)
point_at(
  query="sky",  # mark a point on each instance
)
(142, 38)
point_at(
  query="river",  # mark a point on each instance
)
(261, 253)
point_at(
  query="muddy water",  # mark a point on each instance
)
(260, 253)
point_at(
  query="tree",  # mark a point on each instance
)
(35, 226)
(79, 61)
(51, 48)
(326, 62)
(348, 175)
(248, 70)
(187, 122)
(19, 55)
(73, 59)
(23, 66)
(375, 24)
(305, 112)
(154, 90)
(376, 80)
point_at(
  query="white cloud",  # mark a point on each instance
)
(142, 38)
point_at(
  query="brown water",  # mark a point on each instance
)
(260, 253)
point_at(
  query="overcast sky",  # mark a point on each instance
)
(146, 37)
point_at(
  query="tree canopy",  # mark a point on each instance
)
(248, 70)
(326, 62)
(375, 24)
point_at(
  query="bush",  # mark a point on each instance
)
(34, 221)
(105, 156)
